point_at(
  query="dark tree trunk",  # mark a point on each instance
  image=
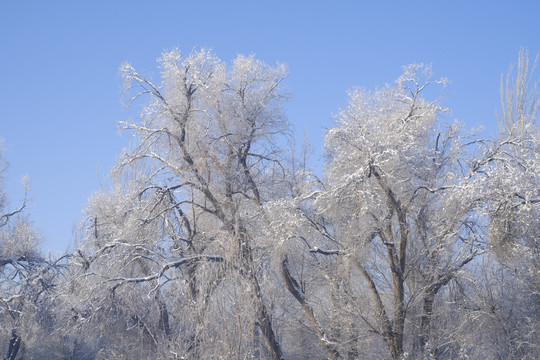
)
(163, 316)
(425, 321)
(263, 320)
(14, 345)
(294, 288)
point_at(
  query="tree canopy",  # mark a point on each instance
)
(216, 240)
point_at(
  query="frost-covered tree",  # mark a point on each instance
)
(515, 209)
(177, 246)
(419, 240)
(393, 223)
(27, 281)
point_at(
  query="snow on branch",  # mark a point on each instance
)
(172, 264)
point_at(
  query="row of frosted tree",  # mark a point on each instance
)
(216, 240)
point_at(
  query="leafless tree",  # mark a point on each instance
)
(186, 224)
(27, 283)
(396, 211)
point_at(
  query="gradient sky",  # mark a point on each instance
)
(60, 89)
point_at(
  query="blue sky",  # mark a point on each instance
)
(60, 90)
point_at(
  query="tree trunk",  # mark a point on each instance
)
(14, 345)
(425, 322)
(399, 317)
(163, 316)
(263, 320)
(292, 285)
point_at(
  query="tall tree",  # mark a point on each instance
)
(187, 221)
(515, 209)
(398, 210)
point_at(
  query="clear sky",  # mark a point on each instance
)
(59, 60)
